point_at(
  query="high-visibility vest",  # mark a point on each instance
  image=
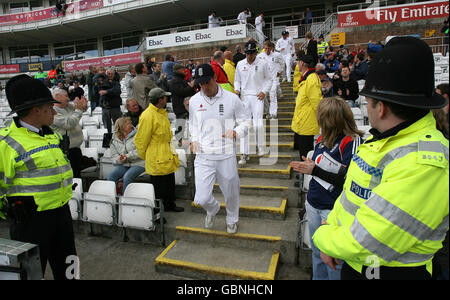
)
(393, 210)
(322, 47)
(32, 165)
(52, 74)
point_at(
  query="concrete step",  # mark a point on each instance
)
(279, 128)
(281, 137)
(281, 158)
(287, 103)
(251, 206)
(202, 261)
(279, 145)
(278, 170)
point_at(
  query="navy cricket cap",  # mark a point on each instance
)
(203, 73)
(250, 47)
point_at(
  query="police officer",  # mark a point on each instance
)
(322, 45)
(35, 175)
(392, 215)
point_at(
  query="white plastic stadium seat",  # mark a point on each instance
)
(75, 201)
(136, 207)
(90, 152)
(99, 203)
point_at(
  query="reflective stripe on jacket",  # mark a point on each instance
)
(394, 206)
(32, 165)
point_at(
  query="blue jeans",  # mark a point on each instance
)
(128, 174)
(320, 270)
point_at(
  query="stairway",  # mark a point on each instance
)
(267, 229)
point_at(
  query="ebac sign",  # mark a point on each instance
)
(393, 14)
(197, 36)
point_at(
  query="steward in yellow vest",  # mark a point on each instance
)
(35, 175)
(321, 46)
(392, 215)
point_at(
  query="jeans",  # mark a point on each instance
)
(128, 174)
(320, 270)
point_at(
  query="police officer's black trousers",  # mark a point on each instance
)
(387, 273)
(52, 231)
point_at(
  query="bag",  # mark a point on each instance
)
(107, 137)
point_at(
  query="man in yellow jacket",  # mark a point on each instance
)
(392, 215)
(229, 67)
(304, 122)
(154, 144)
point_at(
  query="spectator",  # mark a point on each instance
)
(134, 111)
(229, 67)
(180, 89)
(243, 16)
(142, 85)
(321, 46)
(128, 164)
(92, 97)
(444, 30)
(67, 123)
(213, 20)
(159, 78)
(294, 20)
(374, 47)
(154, 144)
(41, 75)
(238, 56)
(61, 85)
(327, 87)
(320, 67)
(116, 75)
(441, 114)
(59, 72)
(308, 18)
(128, 82)
(346, 87)
(150, 62)
(331, 64)
(101, 71)
(61, 7)
(304, 122)
(109, 92)
(297, 74)
(75, 91)
(337, 144)
(360, 68)
(52, 75)
(222, 78)
(82, 79)
(167, 66)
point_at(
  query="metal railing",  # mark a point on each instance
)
(324, 28)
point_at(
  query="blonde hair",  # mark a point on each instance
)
(118, 127)
(335, 117)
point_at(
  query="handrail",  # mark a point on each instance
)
(325, 28)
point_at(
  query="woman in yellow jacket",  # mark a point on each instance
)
(297, 74)
(154, 144)
(304, 123)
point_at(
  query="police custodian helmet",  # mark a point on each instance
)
(394, 77)
(24, 92)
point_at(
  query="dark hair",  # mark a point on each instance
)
(139, 68)
(443, 87)
(23, 113)
(168, 57)
(405, 113)
(360, 56)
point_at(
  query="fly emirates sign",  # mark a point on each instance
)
(393, 14)
(197, 36)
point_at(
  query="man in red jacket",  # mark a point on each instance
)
(217, 63)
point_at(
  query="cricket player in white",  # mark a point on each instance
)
(259, 24)
(216, 119)
(253, 82)
(276, 66)
(242, 17)
(285, 45)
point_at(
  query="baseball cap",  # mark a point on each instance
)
(157, 93)
(285, 32)
(203, 73)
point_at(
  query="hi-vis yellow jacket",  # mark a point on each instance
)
(154, 142)
(393, 210)
(32, 165)
(309, 95)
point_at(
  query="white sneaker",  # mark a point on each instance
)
(209, 221)
(262, 152)
(232, 228)
(243, 159)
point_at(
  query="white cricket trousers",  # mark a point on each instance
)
(254, 109)
(273, 105)
(226, 173)
(288, 61)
